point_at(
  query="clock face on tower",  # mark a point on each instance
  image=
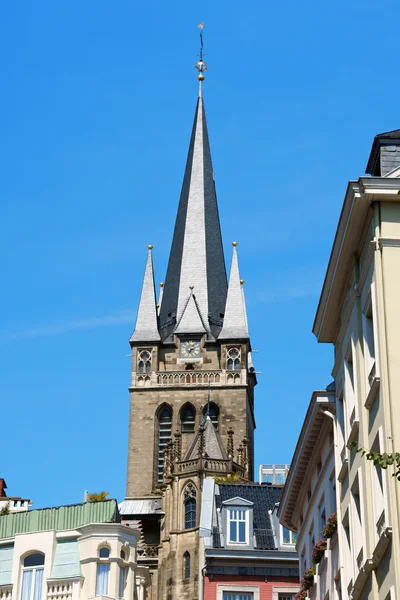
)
(190, 348)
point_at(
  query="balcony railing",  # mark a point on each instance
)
(148, 551)
(208, 464)
(5, 592)
(188, 378)
(62, 590)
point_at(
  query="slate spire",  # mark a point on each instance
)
(196, 258)
(235, 321)
(146, 329)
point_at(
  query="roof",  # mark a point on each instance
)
(264, 497)
(213, 445)
(59, 518)
(235, 319)
(196, 257)
(315, 428)
(146, 328)
(148, 506)
(373, 166)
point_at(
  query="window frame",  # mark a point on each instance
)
(34, 569)
(246, 520)
(189, 499)
(291, 535)
(186, 565)
(237, 589)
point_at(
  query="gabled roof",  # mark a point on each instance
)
(191, 321)
(374, 166)
(196, 256)
(213, 445)
(146, 329)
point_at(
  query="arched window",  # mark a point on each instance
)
(164, 435)
(213, 411)
(189, 496)
(103, 571)
(32, 576)
(144, 361)
(233, 359)
(188, 418)
(186, 565)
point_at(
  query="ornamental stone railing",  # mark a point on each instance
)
(188, 378)
(60, 590)
(5, 592)
(214, 465)
(147, 551)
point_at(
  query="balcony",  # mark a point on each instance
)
(188, 378)
(147, 551)
(374, 383)
(211, 465)
(5, 592)
(59, 590)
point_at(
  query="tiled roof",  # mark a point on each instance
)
(264, 497)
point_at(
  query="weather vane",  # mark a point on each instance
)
(201, 66)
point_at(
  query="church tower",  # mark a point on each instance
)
(192, 386)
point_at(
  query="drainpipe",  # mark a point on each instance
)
(203, 574)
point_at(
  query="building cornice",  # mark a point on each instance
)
(358, 199)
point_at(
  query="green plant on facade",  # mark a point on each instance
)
(97, 497)
(5, 510)
(380, 459)
(234, 478)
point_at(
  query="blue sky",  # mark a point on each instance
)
(97, 104)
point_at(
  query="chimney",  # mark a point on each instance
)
(3, 487)
(385, 154)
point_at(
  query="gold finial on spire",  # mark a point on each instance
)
(150, 247)
(201, 66)
(234, 244)
(191, 287)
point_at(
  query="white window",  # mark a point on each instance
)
(287, 536)
(229, 591)
(284, 592)
(32, 577)
(238, 596)
(238, 526)
(122, 581)
(103, 572)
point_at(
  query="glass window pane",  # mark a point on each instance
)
(122, 579)
(285, 535)
(242, 531)
(102, 579)
(104, 552)
(26, 584)
(37, 592)
(233, 537)
(34, 560)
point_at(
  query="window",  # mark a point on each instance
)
(164, 435)
(104, 552)
(188, 418)
(123, 554)
(238, 525)
(103, 572)
(122, 581)
(144, 361)
(189, 496)
(288, 537)
(285, 597)
(32, 576)
(233, 360)
(238, 596)
(186, 565)
(369, 344)
(212, 411)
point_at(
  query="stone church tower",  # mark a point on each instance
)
(192, 387)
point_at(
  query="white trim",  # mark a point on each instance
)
(276, 590)
(246, 521)
(232, 588)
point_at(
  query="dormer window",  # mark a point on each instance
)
(238, 526)
(288, 537)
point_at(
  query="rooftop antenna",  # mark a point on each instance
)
(201, 66)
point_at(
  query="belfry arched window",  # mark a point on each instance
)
(186, 565)
(189, 503)
(213, 412)
(164, 435)
(188, 418)
(144, 361)
(32, 576)
(233, 359)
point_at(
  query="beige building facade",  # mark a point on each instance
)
(359, 313)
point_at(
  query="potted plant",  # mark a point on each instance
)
(300, 595)
(308, 578)
(330, 527)
(318, 551)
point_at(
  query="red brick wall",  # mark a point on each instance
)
(210, 587)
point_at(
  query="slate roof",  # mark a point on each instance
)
(235, 320)
(196, 257)
(373, 166)
(264, 498)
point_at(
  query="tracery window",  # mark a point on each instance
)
(32, 576)
(212, 411)
(189, 496)
(164, 435)
(186, 565)
(188, 418)
(144, 361)
(233, 359)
